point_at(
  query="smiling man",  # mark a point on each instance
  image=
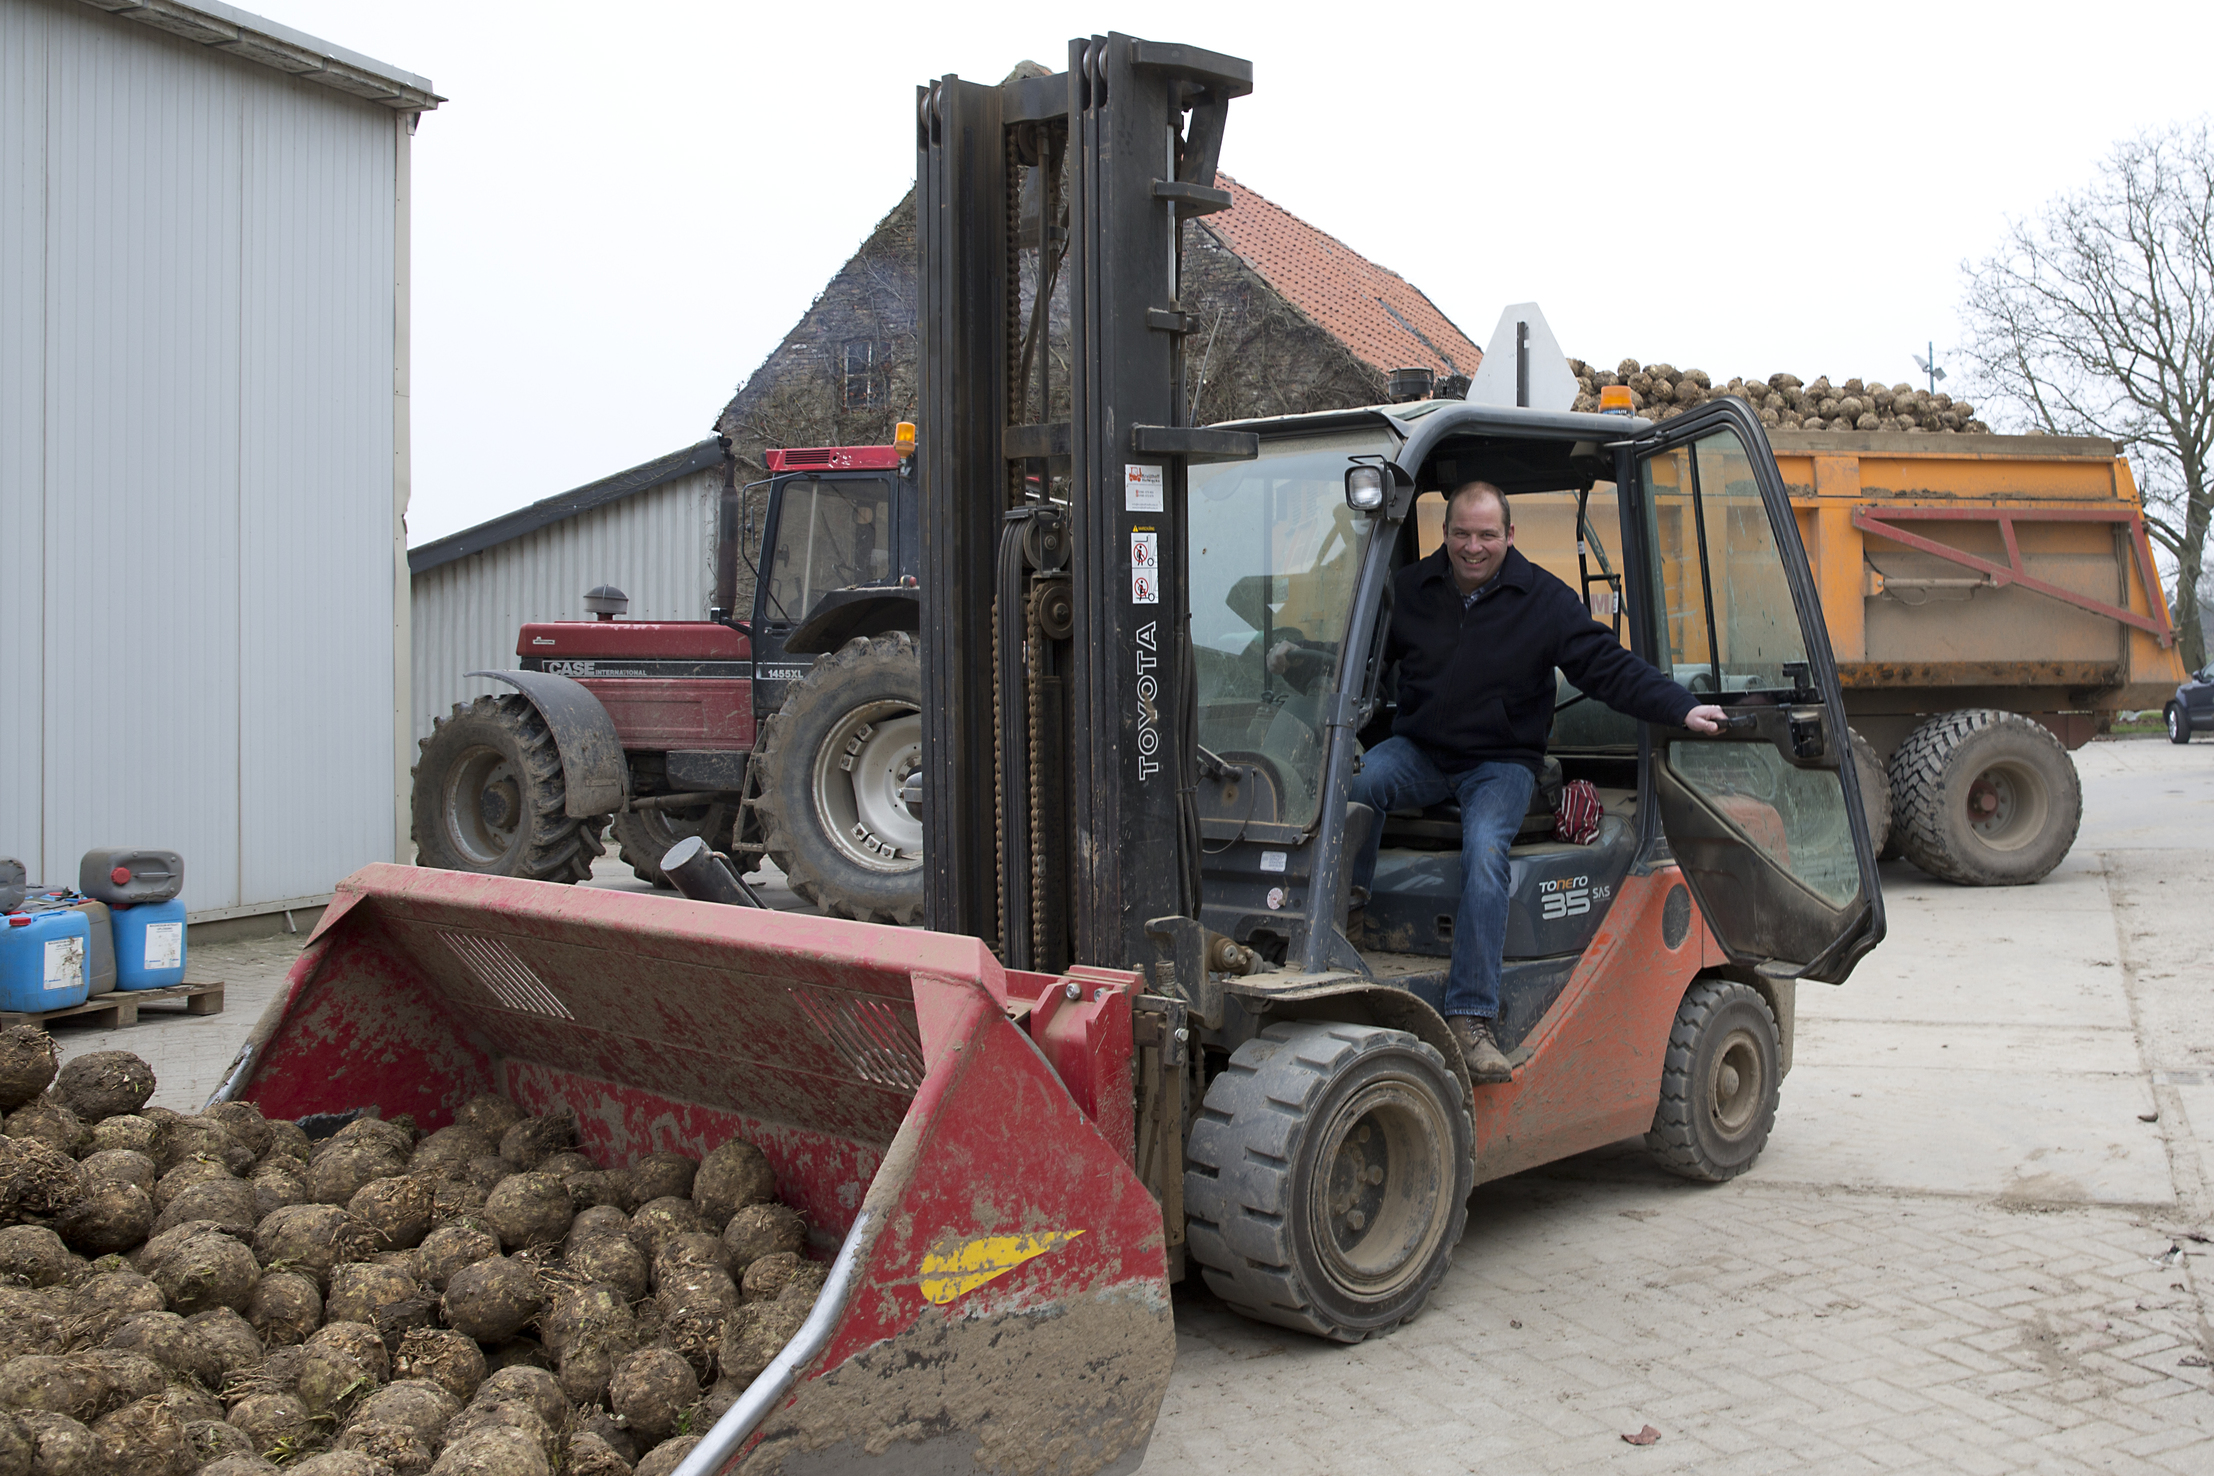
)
(1477, 631)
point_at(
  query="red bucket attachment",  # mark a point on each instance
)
(1002, 1304)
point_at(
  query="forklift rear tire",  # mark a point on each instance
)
(833, 762)
(1985, 798)
(1326, 1181)
(643, 837)
(489, 797)
(1719, 1083)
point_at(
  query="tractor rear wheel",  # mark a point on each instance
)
(643, 837)
(1720, 1081)
(1326, 1181)
(1985, 798)
(489, 797)
(833, 765)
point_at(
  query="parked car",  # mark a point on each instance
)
(2191, 710)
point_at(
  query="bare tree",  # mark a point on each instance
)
(2096, 317)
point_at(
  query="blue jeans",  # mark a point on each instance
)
(1397, 775)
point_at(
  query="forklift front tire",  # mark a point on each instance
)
(1326, 1181)
(1719, 1083)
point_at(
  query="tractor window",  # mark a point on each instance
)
(1275, 556)
(830, 534)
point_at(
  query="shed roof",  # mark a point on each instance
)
(250, 37)
(549, 510)
(1378, 314)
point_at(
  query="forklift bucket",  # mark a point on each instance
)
(957, 1135)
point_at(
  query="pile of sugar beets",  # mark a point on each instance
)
(222, 1294)
(1783, 401)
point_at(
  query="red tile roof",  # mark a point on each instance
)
(1378, 314)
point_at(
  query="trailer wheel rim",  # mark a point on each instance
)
(1381, 1207)
(482, 805)
(2006, 806)
(1734, 1084)
(860, 770)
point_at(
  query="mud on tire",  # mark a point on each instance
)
(488, 797)
(830, 763)
(1985, 798)
(1326, 1180)
(1720, 1082)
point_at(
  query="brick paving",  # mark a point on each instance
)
(1894, 1288)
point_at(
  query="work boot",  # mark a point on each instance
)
(1487, 1064)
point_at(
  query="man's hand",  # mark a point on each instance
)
(1705, 718)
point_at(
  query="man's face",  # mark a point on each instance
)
(1477, 537)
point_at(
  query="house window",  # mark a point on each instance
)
(863, 384)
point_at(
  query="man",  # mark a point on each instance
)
(1477, 630)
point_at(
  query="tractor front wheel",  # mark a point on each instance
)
(834, 763)
(489, 797)
(643, 837)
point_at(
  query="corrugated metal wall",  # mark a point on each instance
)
(657, 546)
(196, 460)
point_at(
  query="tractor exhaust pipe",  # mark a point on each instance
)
(702, 875)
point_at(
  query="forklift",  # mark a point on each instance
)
(1149, 765)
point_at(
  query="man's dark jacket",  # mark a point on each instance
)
(1476, 681)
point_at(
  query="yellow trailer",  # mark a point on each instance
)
(1992, 602)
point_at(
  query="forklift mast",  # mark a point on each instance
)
(1057, 754)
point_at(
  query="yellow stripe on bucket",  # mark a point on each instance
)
(946, 1275)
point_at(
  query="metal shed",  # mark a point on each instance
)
(649, 531)
(203, 446)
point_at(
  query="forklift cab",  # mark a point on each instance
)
(1682, 541)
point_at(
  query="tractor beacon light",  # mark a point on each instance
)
(903, 436)
(1614, 399)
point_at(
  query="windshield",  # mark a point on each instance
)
(830, 534)
(1275, 557)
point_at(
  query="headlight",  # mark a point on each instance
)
(1364, 488)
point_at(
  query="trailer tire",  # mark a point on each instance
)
(488, 797)
(1720, 1081)
(857, 711)
(1314, 1116)
(643, 837)
(1985, 798)
(1875, 790)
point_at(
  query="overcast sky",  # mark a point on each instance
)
(622, 209)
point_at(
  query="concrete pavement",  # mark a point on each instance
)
(1965, 1249)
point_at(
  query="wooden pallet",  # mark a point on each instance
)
(120, 1007)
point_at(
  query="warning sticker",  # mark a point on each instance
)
(1145, 570)
(65, 963)
(1141, 489)
(164, 945)
(1274, 860)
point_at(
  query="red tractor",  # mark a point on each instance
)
(793, 733)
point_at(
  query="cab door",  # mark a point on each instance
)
(1764, 817)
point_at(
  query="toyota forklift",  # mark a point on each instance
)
(1141, 1036)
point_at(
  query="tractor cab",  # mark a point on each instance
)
(839, 553)
(1682, 542)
